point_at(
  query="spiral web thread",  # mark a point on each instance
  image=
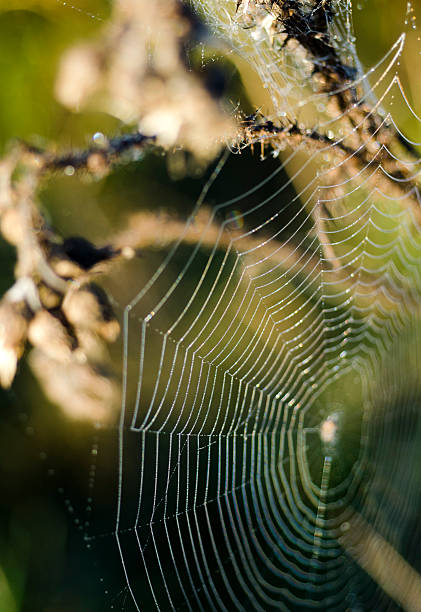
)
(255, 361)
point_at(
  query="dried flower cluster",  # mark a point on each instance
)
(54, 304)
(138, 71)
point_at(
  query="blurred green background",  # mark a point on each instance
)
(45, 459)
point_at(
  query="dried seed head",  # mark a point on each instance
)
(49, 298)
(13, 328)
(11, 226)
(90, 346)
(82, 307)
(14, 225)
(8, 365)
(49, 334)
(89, 308)
(7, 166)
(65, 268)
(109, 330)
(13, 323)
(79, 72)
(81, 390)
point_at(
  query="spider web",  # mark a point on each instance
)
(270, 362)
